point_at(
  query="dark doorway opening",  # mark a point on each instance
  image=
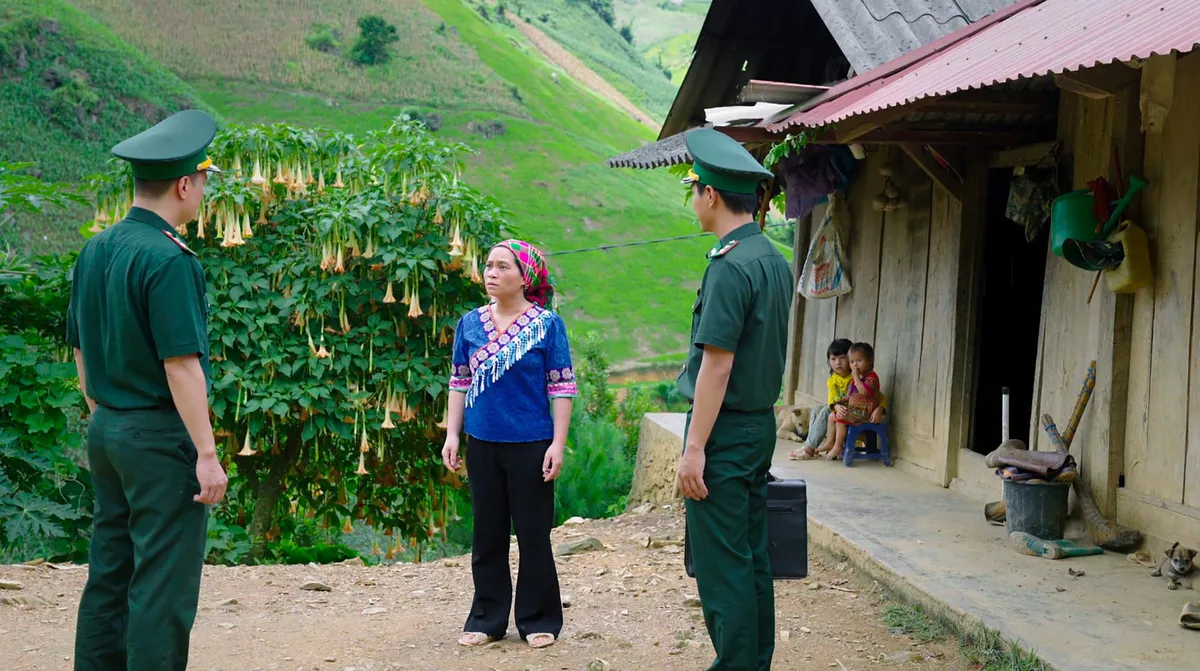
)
(1013, 278)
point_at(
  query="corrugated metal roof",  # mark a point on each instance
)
(873, 32)
(664, 153)
(1036, 37)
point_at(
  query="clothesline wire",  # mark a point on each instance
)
(639, 243)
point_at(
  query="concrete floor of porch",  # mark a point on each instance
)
(932, 545)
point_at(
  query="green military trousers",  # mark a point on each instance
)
(727, 533)
(147, 550)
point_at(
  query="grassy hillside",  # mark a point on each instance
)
(548, 170)
(69, 90)
(574, 25)
(546, 165)
(264, 43)
(664, 32)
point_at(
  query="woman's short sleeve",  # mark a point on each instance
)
(560, 374)
(460, 373)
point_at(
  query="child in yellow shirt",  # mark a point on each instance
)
(820, 440)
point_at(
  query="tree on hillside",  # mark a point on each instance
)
(374, 38)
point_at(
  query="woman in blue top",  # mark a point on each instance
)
(512, 386)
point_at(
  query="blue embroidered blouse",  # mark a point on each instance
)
(510, 377)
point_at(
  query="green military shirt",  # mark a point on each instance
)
(137, 298)
(742, 306)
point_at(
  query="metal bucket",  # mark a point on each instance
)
(1039, 509)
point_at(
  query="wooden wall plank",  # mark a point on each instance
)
(948, 257)
(901, 305)
(911, 404)
(795, 344)
(856, 312)
(962, 355)
(936, 336)
(1073, 330)
(1178, 177)
(1187, 96)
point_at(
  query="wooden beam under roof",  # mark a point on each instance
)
(785, 93)
(984, 138)
(944, 177)
(1024, 155)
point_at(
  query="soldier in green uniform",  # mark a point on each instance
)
(137, 322)
(733, 376)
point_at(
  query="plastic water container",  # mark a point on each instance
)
(787, 530)
(1134, 272)
(1071, 217)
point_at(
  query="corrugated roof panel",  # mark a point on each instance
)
(873, 32)
(1051, 36)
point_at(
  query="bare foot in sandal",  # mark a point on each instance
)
(540, 640)
(474, 638)
(803, 454)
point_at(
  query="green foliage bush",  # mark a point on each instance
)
(626, 32)
(331, 320)
(324, 38)
(372, 45)
(45, 495)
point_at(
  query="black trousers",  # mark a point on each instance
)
(507, 488)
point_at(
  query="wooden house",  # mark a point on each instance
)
(959, 304)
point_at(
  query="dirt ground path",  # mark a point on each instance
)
(579, 71)
(631, 607)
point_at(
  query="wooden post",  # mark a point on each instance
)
(796, 318)
(966, 311)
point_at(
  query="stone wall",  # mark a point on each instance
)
(658, 454)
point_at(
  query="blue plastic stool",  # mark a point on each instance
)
(850, 450)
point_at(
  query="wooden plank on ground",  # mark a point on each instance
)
(1175, 261)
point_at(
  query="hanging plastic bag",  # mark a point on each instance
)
(824, 274)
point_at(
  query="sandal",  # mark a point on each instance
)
(543, 640)
(474, 638)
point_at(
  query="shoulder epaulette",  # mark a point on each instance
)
(722, 251)
(182, 245)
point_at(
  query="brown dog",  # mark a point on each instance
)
(1177, 567)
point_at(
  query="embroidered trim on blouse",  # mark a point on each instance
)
(560, 383)
(460, 378)
(491, 361)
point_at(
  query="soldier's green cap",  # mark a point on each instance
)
(174, 147)
(722, 163)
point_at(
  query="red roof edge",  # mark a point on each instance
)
(903, 62)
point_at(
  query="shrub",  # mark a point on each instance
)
(488, 129)
(325, 39)
(633, 408)
(627, 32)
(330, 326)
(597, 471)
(372, 45)
(605, 9)
(45, 495)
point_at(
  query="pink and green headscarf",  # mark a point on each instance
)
(539, 285)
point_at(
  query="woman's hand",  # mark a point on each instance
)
(450, 453)
(552, 463)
